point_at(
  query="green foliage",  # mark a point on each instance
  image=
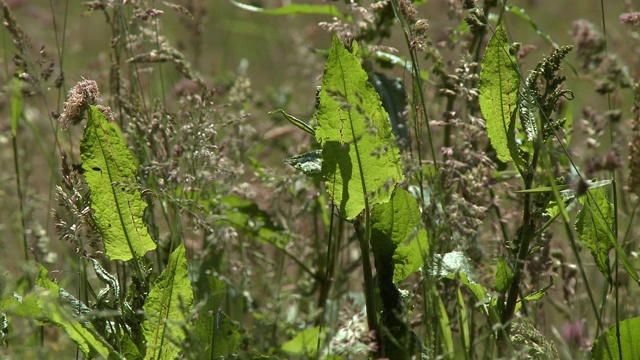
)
(619, 341)
(309, 163)
(110, 173)
(398, 231)
(252, 261)
(44, 305)
(594, 225)
(167, 305)
(358, 152)
(293, 9)
(215, 334)
(504, 276)
(499, 84)
(305, 343)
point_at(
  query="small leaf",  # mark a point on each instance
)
(456, 266)
(294, 9)
(304, 343)
(594, 224)
(359, 153)
(169, 300)
(606, 346)
(295, 121)
(110, 173)
(539, 294)
(398, 232)
(504, 276)
(498, 91)
(309, 163)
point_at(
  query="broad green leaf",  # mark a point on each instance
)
(44, 306)
(110, 172)
(128, 349)
(227, 336)
(304, 343)
(504, 276)
(169, 300)
(397, 230)
(294, 9)
(499, 83)
(606, 346)
(216, 335)
(594, 224)
(359, 153)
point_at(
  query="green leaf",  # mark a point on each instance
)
(394, 101)
(294, 9)
(539, 294)
(215, 334)
(309, 163)
(594, 223)
(295, 121)
(359, 153)
(110, 173)
(44, 306)
(397, 230)
(304, 343)
(169, 300)
(498, 91)
(504, 276)
(606, 346)
(456, 266)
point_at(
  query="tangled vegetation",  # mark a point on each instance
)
(436, 185)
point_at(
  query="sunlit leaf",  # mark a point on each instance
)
(594, 224)
(398, 232)
(359, 153)
(606, 346)
(304, 343)
(110, 172)
(44, 305)
(294, 9)
(169, 300)
(498, 91)
(504, 276)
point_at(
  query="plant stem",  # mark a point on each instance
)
(525, 236)
(369, 289)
